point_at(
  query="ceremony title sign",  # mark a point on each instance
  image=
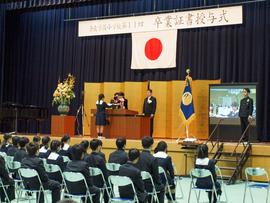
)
(165, 21)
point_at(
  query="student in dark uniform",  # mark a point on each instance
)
(55, 157)
(14, 148)
(6, 181)
(80, 166)
(165, 161)
(130, 170)
(119, 156)
(21, 153)
(149, 163)
(6, 144)
(245, 111)
(101, 114)
(33, 162)
(66, 150)
(203, 162)
(44, 150)
(149, 108)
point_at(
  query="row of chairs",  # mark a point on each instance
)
(249, 172)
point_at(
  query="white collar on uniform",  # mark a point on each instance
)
(203, 161)
(161, 155)
(53, 156)
(99, 102)
(43, 149)
(65, 147)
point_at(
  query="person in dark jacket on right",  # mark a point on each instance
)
(119, 156)
(149, 163)
(130, 170)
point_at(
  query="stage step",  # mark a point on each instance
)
(227, 168)
(227, 160)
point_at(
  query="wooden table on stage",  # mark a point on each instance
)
(62, 125)
(124, 123)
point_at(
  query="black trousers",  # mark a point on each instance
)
(54, 187)
(151, 126)
(244, 123)
(10, 192)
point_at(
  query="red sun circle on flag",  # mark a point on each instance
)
(153, 48)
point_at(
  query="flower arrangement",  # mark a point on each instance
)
(64, 92)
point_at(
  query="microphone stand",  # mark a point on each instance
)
(81, 109)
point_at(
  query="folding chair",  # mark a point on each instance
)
(97, 172)
(121, 181)
(256, 185)
(177, 180)
(72, 178)
(223, 187)
(55, 173)
(146, 176)
(167, 185)
(13, 167)
(66, 159)
(31, 183)
(4, 189)
(113, 168)
(195, 174)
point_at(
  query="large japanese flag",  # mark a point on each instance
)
(152, 50)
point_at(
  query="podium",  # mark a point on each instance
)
(61, 125)
(122, 123)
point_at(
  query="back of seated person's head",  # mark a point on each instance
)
(120, 142)
(77, 152)
(133, 155)
(36, 139)
(65, 139)
(161, 147)
(23, 142)
(45, 141)
(32, 148)
(15, 140)
(94, 144)
(147, 142)
(55, 145)
(7, 137)
(202, 151)
(85, 145)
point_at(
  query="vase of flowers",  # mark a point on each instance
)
(63, 94)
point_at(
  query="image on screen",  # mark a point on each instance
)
(224, 100)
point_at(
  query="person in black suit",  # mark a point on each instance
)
(44, 150)
(66, 150)
(149, 163)
(6, 181)
(14, 148)
(6, 144)
(80, 166)
(119, 156)
(54, 157)
(149, 108)
(97, 161)
(21, 153)
(130, 170)
(245, 111)
(34, 162)
(165, 161)
(203, 162)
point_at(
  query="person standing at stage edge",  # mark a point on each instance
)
(149, 108)
(245, 111)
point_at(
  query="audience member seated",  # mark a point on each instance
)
(165, 162)
(119, 156)
(80, 166)
(66, 150)
(85, 146)
(130, 170)
(33, 162)
(203, 162)
(149, 163)
(97, 161)
(36, 139)
(44, 147)
(54, 157)
(21, 153)
(100, 148)
(6, 181)
(14, 148)
(6, 144)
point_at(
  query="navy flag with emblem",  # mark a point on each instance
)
(187, 106)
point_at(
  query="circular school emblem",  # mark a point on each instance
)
(187, 98)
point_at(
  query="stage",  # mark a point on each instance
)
(182, 157)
